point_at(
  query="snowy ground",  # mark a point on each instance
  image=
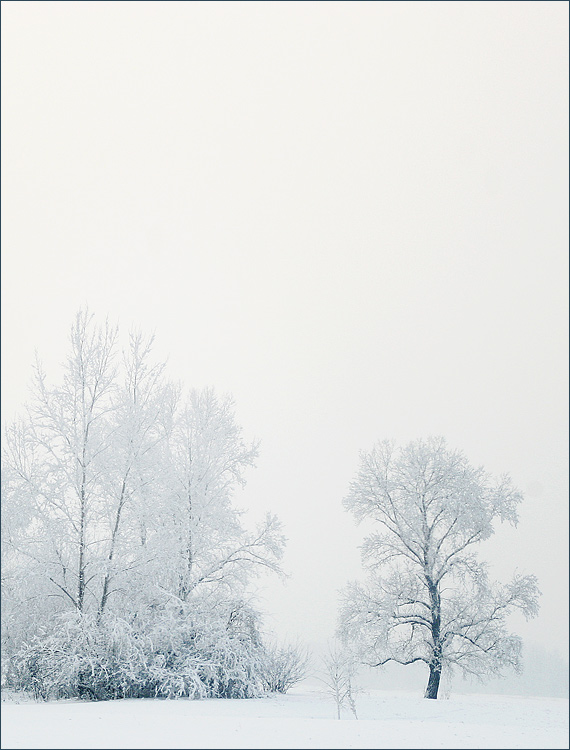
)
(303, 718)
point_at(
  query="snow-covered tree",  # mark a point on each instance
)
(139, 423)
(199, 530)
(55, 460)
(428, 598)
(118, 516)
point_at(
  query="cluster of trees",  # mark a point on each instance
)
(126, 565)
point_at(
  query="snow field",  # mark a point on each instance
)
(304, 718)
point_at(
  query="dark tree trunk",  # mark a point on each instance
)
(433, 682)
(435, 662)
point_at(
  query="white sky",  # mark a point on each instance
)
(352, 216)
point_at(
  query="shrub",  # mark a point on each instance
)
(284, 666)
(178, 653)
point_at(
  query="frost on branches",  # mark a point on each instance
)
(428, 598)
(125, 563)
(338, 678)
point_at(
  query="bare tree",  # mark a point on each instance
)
(338, 677)
(428, 598)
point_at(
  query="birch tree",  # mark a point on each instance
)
(428, 598)
(140, 425)
(55, 458)
(207, 545)
(77, 465)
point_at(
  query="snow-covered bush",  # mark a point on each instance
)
(284, 666)
(179, 653)
(79, 658)
(207, 651)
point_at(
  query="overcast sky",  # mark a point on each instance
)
(351, 216)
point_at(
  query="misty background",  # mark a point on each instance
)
(351, 216)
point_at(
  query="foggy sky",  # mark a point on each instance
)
(351, 216)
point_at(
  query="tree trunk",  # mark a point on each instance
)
(433, 682)
(435, 662)
(107, 581)
(81, 565)
(185, 578)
